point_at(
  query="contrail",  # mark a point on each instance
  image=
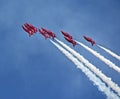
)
(102, 58)
(95, 70)
(101, 86)
(110, 52)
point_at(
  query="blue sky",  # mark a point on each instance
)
(33, 68)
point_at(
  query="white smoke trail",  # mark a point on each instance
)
(101, 86)
(102, 58)
(106, 79)
(110, 52)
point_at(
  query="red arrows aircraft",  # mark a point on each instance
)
(44, 33)
(51, 34)
(89, 40)
(66, 34)
(70, 40)
(30, 29)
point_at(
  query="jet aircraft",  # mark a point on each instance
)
(71, 41)
(89, 40)
(44, 33)
(66, 34)
(51, 34)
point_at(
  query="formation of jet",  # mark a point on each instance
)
(89, 40)
(30, 29)
(69, 38)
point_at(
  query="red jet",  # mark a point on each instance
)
(30, 29)
(66, 34)
(51, 34)
(44, 33)
(70, 40)
(89, 40)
